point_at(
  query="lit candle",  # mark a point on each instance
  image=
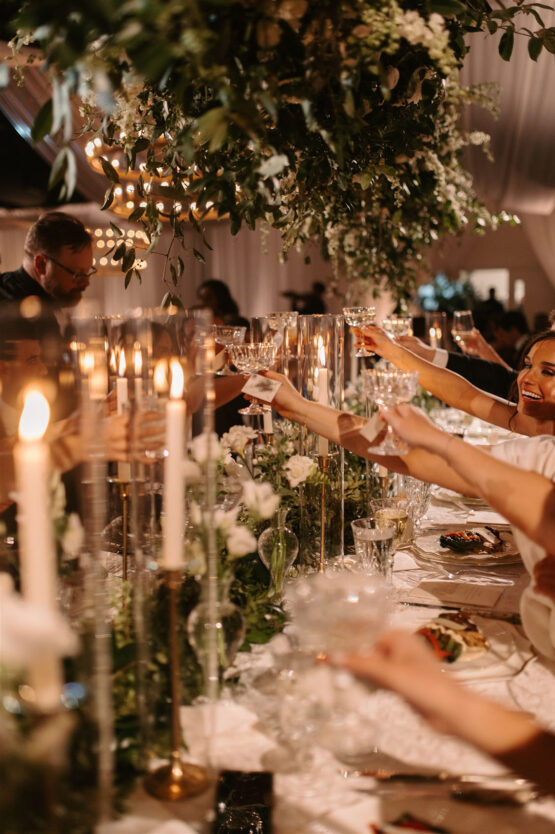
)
(434, 338)
(174, 480)
(138, 367)
(268, 423)
(36, 544)
(122, 396)
(323, 397)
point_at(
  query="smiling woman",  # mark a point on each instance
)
(536, 378)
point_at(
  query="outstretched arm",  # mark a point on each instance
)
(526, 499)
(402, 662)
(344, 428)
(449, 387)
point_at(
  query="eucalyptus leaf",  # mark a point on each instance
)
(108, 198)
(535, 46)
(128, 259)
(506, 44)
(199, 256)
(109, 170)
(43, 122)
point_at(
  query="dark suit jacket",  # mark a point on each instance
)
(489, 376)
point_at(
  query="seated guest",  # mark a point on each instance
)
(510, 334)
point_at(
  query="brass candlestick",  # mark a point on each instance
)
(323, 465)
(177, 779)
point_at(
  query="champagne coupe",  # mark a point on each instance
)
(398, 326)
(227, 336)
(389, 387)
(462, 328)
(286, 325)
(249, 359)
(359, 317)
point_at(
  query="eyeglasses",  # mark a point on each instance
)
(71, 271)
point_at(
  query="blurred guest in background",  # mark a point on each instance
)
(510, 333)
(311, 303)
(216, 296)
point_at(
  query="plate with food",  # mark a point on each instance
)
(484, 545)
(469, 646)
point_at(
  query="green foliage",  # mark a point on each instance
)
(335, 121)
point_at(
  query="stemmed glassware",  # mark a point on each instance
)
(398, 326)
(227, 336)
(249, 359)
(359, 317)
(463, 325)
(374, 539)
(389, 387)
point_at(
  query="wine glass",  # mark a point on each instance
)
(227, 336)
(418, 494)
(249, 359)
(359, 317)
(398, 326)
(389, 387)
(463, 325)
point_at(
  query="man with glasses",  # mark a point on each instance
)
(57, 263)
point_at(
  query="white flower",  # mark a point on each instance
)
(221, 520)
(72, 539)
(240, 541)
(260, 499)
(298, 468)
(235, 469)
(201, 448)
(191, 472)
(28, 631)
(237, 438)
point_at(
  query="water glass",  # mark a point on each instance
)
(374, 540)
(417, 494)
(394, 510)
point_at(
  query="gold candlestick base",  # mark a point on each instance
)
(176, 780)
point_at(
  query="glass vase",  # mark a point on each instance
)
(229, 629)
(278, 547)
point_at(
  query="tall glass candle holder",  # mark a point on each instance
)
(436, 329)
(320, 353)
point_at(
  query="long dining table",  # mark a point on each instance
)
(380, 760)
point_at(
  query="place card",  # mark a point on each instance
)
(261, 387)
(372, 428)
(441, 592)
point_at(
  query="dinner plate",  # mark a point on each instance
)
(506, 655)
(429, 548)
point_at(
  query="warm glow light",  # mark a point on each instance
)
(138, 360)
(160, 376)
(86, 361)
(34, 417)
(122, 367)
(321, 352)
(113, 362)
(177, 380)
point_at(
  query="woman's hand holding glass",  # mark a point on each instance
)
(415, 428)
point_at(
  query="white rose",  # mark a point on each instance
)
(201, 447)
(260, 499)
(29, 631)
(191, 472)
(237, 438)
(72, 539)
(240, 541)
(298, 468)
(222, 519)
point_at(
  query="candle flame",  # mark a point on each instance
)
(113, 361)
(122, 366)
(34, 417)
(160, 376)
(87, 362)
(321, 352)
(177, 383)
(138, 359)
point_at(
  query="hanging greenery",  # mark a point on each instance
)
(334, 120)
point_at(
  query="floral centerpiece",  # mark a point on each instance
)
(331, 121)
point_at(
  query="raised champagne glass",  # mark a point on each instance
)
(389, 387)
(398, 326)
(358, 317)
(463, 325)
(227, 336)
(249, 359)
